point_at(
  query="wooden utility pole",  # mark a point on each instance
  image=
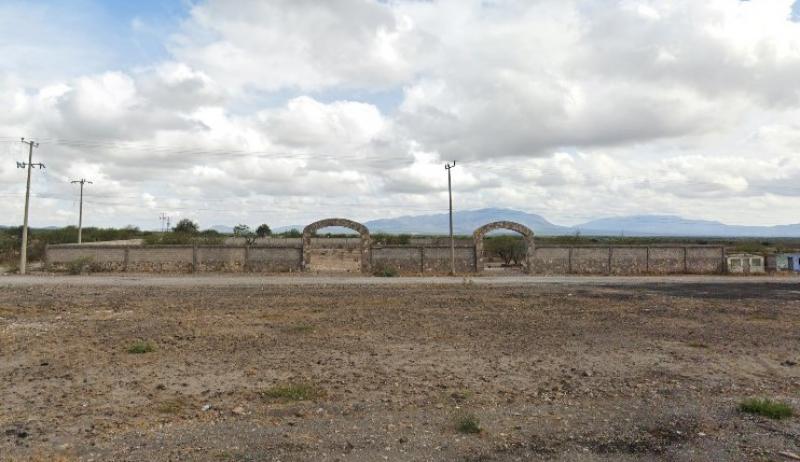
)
(448, 167)
(23, 254)
(82, 181)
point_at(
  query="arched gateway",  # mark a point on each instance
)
(308, 233)
(478, 235)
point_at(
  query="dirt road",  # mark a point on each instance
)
(222, 280)
(252, 369)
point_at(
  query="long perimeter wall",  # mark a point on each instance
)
(365, 257)
(543, 260)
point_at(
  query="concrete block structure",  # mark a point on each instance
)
(745, 263)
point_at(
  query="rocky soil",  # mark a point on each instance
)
(548, 372)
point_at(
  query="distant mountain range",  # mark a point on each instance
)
(465, 222)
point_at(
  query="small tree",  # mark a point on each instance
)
(245, 232)
(186, 226)
(508, 248)
(263, 230)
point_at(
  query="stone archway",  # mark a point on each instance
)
(308, 233)
(478, 235)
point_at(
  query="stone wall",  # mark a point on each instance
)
(422, 259)
(544, 260)
(158, 259)
(628, 260)
(275, 259)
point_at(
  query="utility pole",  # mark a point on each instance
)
(452, 241)
(164, 218)
(23, 254)
(80, 212)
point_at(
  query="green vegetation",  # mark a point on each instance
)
(207, 237)
(174, 406)
(263, 230)
(141, 347)
(291, 233)
(244, 231)
(292, 392)
(385, 272)
(10, 239)
(767, 408)
(186, 226)
(302, 328)
(391, 239)
(508, 248)
(468, 424)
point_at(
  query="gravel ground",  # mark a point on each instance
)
(577, 369)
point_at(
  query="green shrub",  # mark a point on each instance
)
(186, 226)
(141, 347)
(293, 392)
(79, 265)
(508, 248)
(468, 424)
(766, 407)
(175, 406)
(386, 272)
(173, 238)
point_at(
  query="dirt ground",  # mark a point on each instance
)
(647, 371)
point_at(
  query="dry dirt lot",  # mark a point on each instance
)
(386, 372)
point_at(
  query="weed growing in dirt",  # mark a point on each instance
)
(302, 329)
(460, 396)
(766, 407)
(293, 392)
(171, 407)
(141, 347)
(468, 424)
(387, 272)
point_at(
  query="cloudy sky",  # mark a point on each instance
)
(287, 111)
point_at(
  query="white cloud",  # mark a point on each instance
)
(575, 109)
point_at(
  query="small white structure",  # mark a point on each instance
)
(745, 263)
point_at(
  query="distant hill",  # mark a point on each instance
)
(670, 225)
(464, 222)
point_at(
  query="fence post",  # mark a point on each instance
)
(610, 254)
(125, 258)
(422, 259)
(569, 261)
(685, 260)
(246, 258)
(194, 258)
(647, 261)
